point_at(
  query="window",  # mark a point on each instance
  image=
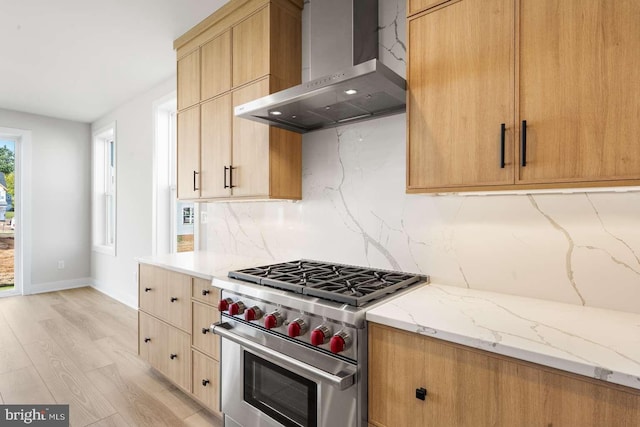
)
(104, 190)
(187, 215)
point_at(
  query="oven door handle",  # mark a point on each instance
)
(342, 380)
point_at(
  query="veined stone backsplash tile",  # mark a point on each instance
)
(581, 248)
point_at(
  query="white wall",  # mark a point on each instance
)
(116, 276)
(581, 248)
(60, 200)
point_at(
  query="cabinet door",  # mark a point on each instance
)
(250, 146)
(251, 48)
(216, 66)
(460, 80)
(215, 147)
(396, 370)
(189, 153)
(206, 383)
(189, 80)
(579, 85)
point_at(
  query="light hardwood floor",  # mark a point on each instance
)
(79, 347)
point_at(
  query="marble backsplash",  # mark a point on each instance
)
(581, 248)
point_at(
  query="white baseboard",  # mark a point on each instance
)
(125, 299)
(61, 285)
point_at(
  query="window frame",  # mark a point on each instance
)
(104, 190)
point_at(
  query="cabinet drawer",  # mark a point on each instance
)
(206, 380)
(203, 339)
(203, 291)
(165, 294)
(166, 348)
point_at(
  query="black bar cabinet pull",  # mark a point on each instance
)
(173, 356)
(421, 393)
(204, 331)
(231, 168)
(174, 299)
(503, 128)
(147, 289)
(205, 382)
(205, 292)
(147, 339)
(523, 143)
(225, 177)
(194, 180)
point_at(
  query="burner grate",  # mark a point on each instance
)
(336, 282)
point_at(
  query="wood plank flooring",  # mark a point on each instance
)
(79, 347)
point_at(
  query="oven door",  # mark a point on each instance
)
(268, 381)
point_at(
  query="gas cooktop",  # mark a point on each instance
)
(346, 284)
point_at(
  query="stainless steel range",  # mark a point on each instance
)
(294, 342)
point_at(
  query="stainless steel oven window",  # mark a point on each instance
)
(284, 396)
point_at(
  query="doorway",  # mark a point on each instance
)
(7, 214)
(15, 211)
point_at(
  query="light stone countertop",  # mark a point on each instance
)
(205, 265)
(597, 343)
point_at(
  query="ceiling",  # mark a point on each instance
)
(79, 59)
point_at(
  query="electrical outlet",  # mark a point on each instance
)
(204, 217)
(61, 265)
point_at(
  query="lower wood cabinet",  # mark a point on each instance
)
(173, 336)
(470, 387)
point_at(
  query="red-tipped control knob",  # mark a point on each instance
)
(253, 313)
(297, 327)
(337, 344)
(320, 335)
(223, 304)
(340, 342)
(273, 320)
(236, 308)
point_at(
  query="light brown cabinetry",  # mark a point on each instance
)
(246, 50)
(469, 387)
(559, 75)
(187, 354)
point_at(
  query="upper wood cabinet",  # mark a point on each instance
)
(460, 93)
(216, 66)
(188, 149)
(245, 50)
(560, 75)
(188, 80)
(469, 387)
(251, 48)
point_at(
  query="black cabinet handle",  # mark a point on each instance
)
(194, 180)
(523, 143)
(421, 393)
(205, 382)
(225, 177)
(205, 292)
(147, 339)
(174, 299)
(205, 330)
(147, 289)
(231, 168)
(173, 356)
(503, 129)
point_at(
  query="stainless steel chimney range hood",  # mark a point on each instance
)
(363, 91)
